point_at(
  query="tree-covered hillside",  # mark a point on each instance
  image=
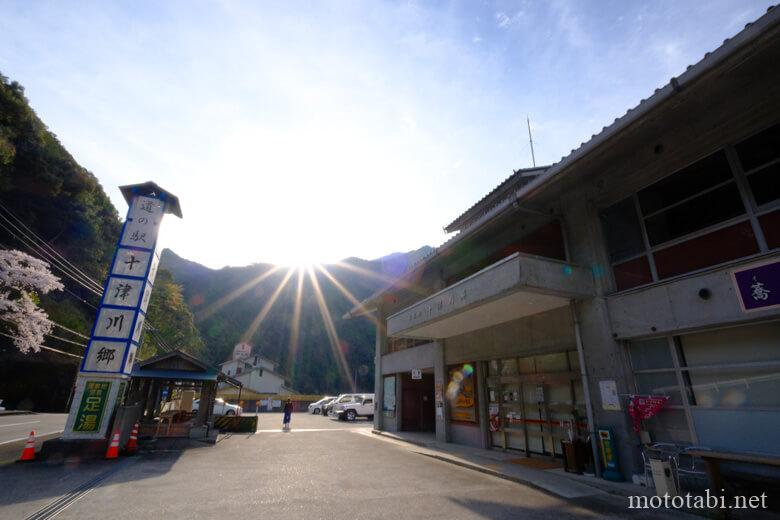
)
(227, 301)
(56, 210)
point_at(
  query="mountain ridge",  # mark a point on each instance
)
(256, 303)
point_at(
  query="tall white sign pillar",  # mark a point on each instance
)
(116, 333)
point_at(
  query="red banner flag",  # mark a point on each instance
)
(641, 407)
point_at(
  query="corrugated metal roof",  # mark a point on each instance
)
(514, 182)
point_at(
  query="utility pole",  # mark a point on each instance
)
(530, 140)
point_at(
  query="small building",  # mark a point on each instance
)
(172, 395)
(257, 373)
(646, 262)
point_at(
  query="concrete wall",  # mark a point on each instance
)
(550, 331)
(423, 356)
(675, 306)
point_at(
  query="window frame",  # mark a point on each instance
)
(684, 384)
(752, 214)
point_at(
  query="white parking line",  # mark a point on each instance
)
(25, 438)
(18, 424)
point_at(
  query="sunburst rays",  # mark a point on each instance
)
(333, 337)
(217, 305)
(295, 330)
(250, 331)
(405, 284)
(294, 336)
(343, 290)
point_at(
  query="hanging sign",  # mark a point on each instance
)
(642, 407)
(758, 286)
(416, 373)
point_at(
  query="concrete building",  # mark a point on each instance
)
(647, 261)
(257, 374)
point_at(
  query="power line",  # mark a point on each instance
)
(36, 244)
(67, 341)
(159, 340)
(54, 264)
(47, 246)
(44, 346)
(79, 334)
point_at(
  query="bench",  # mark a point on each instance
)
(712, 460)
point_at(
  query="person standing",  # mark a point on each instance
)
(288, 408)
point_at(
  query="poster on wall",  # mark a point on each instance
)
(388, 394)
(609, 395)
(461, 393)
(494, 419)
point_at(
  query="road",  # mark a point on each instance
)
(321, 469)
(14, 430)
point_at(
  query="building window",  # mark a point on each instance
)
(697, 217)
(720, 372)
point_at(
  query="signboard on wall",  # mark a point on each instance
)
(388, 394)
(461, 392)
(609, 395)
(758, 286)
(242, 351)
(92, 407)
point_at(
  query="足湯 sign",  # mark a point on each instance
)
(93, 404)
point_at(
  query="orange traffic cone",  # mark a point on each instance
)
(132, 444)
(28, 453)
(113, 447)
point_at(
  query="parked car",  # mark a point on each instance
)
(316, 408)
(327, 405)
(357, 405)
(220, 407)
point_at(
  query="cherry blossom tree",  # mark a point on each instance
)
(22, 278)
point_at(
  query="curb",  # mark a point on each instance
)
(16, 412)
(476, 467)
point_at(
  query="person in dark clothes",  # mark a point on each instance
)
(288, 409)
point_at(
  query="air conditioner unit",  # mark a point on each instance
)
(663, 477)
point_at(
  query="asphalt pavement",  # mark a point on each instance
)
(15, 429)
(320, 469)
(18, 427)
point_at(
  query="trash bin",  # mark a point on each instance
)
(575, 456)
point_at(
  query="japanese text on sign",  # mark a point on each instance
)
(93, 403)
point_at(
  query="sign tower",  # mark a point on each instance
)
(116, 333)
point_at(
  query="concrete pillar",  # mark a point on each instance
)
(379, 349)
(443, 433)
(482, 400)
(605, 358)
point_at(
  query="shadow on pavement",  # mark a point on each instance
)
(27, 487)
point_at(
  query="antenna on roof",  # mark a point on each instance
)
(530, 140)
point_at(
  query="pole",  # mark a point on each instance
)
(586, 390)
(530, 140)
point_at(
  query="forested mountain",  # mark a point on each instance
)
(47, 200)
(56, 210)
(227, 301)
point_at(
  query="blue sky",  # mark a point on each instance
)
(298, 132)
